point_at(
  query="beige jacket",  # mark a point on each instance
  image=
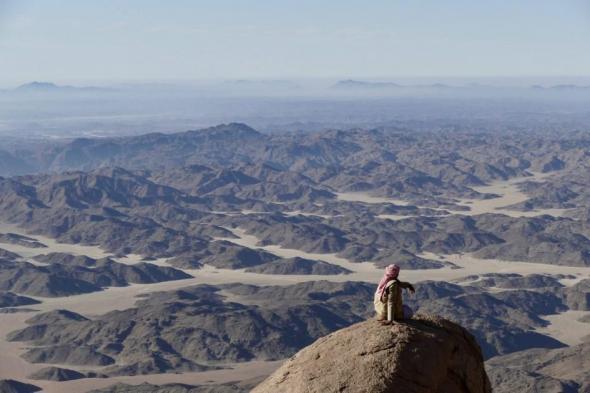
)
(391, 300)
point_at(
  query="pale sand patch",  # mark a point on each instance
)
(247, 212)
(366, 198)
(562, 327)
(395, 217)
(11, 364)
(224, 213)
(54, 246)
(566, 327)
(471, 265)
(510, 194)
(251, 241)
(508, 190)
(120, 298)
(238, 372)
(366, 271)
(300, 213)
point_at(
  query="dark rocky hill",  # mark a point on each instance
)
(298, 265)
(238, 387)
(9, 299)
(12, 386)
(198, 327)
(559, 370)
(186, 329)
(56, 374)
(63, 280)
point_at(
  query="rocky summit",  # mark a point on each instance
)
(423, 355)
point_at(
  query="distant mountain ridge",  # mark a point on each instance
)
(50, 87)
(355, 84)
(358, 84)
(562, 87)
(225, 143)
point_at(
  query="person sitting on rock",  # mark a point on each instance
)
(388, 297)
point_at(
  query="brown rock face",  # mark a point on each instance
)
(423, 355)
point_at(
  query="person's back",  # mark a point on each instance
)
(388, 297)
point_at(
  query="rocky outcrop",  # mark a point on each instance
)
(56, 374)
(578, 296)
(9, 299)
(5, 254)
(298, 265)
(423, 355)
(19, 240)
(12, 386)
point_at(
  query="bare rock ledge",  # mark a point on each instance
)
(423, 355)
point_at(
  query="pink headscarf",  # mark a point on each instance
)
(391, 273)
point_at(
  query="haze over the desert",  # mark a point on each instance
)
(278, 196)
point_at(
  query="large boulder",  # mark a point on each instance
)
(423, 355)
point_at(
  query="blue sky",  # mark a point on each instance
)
(159, 40)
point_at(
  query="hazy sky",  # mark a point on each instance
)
(141, 39)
